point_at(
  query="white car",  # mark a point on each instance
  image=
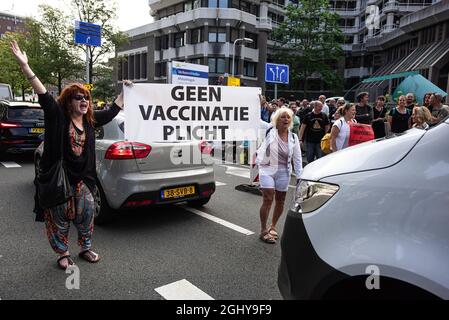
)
(372, 221)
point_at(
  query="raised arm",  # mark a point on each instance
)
(22, 59)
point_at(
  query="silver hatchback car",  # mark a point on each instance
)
(133, 174)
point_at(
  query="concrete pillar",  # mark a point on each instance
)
(206, 43)
(434, 75)
(188, 36)
(171, 39)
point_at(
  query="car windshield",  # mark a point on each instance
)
(25, 114)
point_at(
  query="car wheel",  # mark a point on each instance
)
(102, 213)
(198, 203)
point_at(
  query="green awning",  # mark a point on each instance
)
(390, 76)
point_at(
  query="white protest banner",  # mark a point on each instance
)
(165, 112)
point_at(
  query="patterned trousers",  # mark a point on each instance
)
(80, 210)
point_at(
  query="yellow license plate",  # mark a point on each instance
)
(178, 192)
(37, 130)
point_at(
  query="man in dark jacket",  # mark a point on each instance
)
(364, 112)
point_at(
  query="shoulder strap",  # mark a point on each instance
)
(268, 131)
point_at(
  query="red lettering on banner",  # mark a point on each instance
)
(360, 133)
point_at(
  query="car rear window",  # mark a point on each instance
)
(5, 93)
(121, 125)
(25, 113)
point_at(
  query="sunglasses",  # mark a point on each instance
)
(80, 97)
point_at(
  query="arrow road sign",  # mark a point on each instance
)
(277, 73)
(88, 34)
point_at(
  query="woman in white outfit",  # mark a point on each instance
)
(340, 129)
(274, 159)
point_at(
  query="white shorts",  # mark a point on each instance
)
(278, 181)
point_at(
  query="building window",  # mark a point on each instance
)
(180, 39)
(217, 35)
(216, 65)
(161, 69)
(120, 70)
(144, 66)
(125, 68)
(196, 61)
(197, 35)
(252, 36)
(137, 61)
(217, 3)
(249, 69)
(164, 42)
(131, 67)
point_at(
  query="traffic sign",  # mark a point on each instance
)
(277, 73)
(88, 34)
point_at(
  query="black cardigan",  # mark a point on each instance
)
(80, 168)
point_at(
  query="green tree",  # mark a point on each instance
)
(101, 12)
(104, 85)
(309, 40)
(10, 71)
(56, 58)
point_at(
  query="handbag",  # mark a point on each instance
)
(53, 186)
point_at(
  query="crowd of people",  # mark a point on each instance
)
(312, 120)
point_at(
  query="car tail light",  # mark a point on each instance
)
(205, 147)
(127, 150)
(9, 125)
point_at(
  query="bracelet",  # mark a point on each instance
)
(32, 78)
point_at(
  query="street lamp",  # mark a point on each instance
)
(244, 40)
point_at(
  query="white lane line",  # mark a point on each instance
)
(10, 165)
(220, 184)
(238, 172)
(219, 221)
(182, 290)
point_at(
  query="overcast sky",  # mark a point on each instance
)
(131, 13)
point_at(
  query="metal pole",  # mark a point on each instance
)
(276, 91)
(233, 57)
(87, 65)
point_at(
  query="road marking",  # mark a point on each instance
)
(10, 165)
(182, 290)
(238, 172)
(220, 184)
(219, 221)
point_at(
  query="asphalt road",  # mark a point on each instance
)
(141, 250)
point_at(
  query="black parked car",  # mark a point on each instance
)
(21, 126)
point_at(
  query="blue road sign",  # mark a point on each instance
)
(277, 73)
(88, 34)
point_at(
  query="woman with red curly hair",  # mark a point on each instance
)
(70, 122)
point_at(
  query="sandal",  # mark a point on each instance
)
(69, 262)
(267, 237)
(273, 232)
(89, 256)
